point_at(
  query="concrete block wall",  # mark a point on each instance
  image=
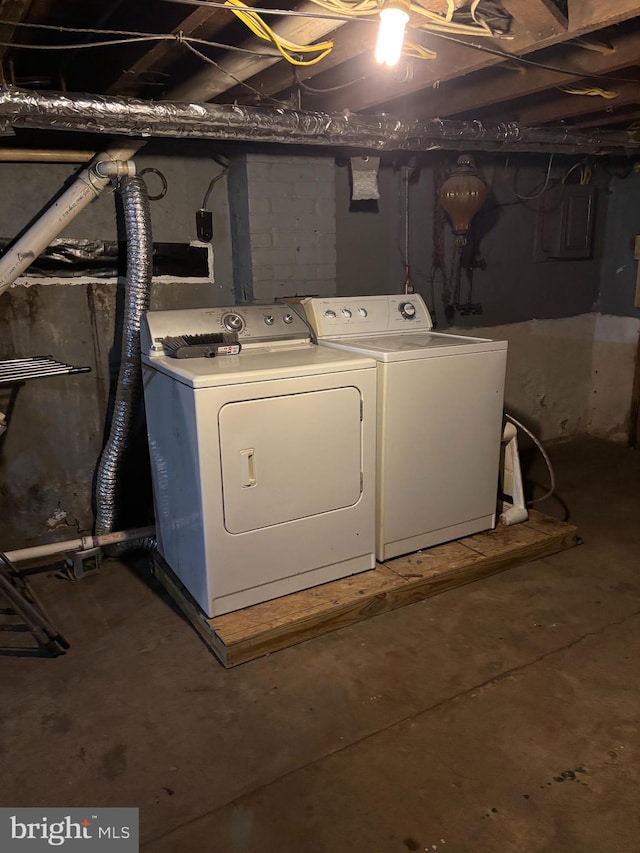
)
(571, 375)
(283, 226)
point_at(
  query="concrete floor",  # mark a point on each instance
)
(502, 716)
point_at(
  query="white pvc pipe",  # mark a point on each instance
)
(87, 186)
(115, 168)
(83, 543)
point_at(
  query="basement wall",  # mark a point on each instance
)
(570, 375)
(571, 358)
(514, 287)
(619, 269)
(49, 453)
(570, 368)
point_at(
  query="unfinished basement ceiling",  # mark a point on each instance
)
(544, 62)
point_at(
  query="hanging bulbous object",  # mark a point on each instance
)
(462, 195)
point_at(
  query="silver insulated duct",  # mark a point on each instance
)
(137, 219)
(22, 109)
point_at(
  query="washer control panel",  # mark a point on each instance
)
(367, 315)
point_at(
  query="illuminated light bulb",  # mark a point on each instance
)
(394, 17)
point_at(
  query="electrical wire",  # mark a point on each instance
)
(295, 54)
(222, 161)
(586, 173)
(312, 332)
(340, 10)
(138, 37)
(287, 49)
(534, 63)
(313, 91)
(544, 188)
(233, 77)
(285, 13)
(594, 92)
(538, 443)
(85, 45)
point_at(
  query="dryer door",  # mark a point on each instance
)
(290, 457)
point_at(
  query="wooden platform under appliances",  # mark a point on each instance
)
(255, 631)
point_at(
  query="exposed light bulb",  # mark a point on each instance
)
(393, 21)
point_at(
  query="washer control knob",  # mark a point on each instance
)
(362, 312)
(330, 314)
(347, 313)
(268, 318)
(288, 318)
(233, 322)
(408, 310)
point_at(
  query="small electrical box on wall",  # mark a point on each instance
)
(564, 224)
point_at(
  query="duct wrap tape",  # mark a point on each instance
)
(364, 178)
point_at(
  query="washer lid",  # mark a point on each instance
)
(259, 364)
(403, 347)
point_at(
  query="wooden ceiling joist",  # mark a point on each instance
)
(540, 20)
(202, 21)
(234, 67)
(349, 41)
(493, 86)
(10, 10)
(564, 106)
(455, 60)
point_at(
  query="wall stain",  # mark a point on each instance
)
(114, 762)
(55, 723)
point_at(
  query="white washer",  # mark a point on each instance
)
(440, 403)
(263, 463)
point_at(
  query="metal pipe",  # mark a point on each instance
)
(44, 155)
(137, 217)
(82, 543)
(87, 186)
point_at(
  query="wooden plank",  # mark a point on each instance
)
(562, 106)
(448, 578)
(11, 10)
(619, 117)
(234, 67)
(183, 600)
(541, 19)
(496, 86)
(348, 42)
(455, 60)
(246, 634)
(202, 22)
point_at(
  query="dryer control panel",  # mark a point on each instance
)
(253, 324)
(367, 315)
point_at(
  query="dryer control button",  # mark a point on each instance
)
(329, 313)
(362, 312)
(288, 318)
(408, 310)
(347, 313)
(269, 319)
(233, 322)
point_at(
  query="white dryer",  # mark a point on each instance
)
(263, 462)
(440, 401)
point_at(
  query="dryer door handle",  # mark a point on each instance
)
(247, 468)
